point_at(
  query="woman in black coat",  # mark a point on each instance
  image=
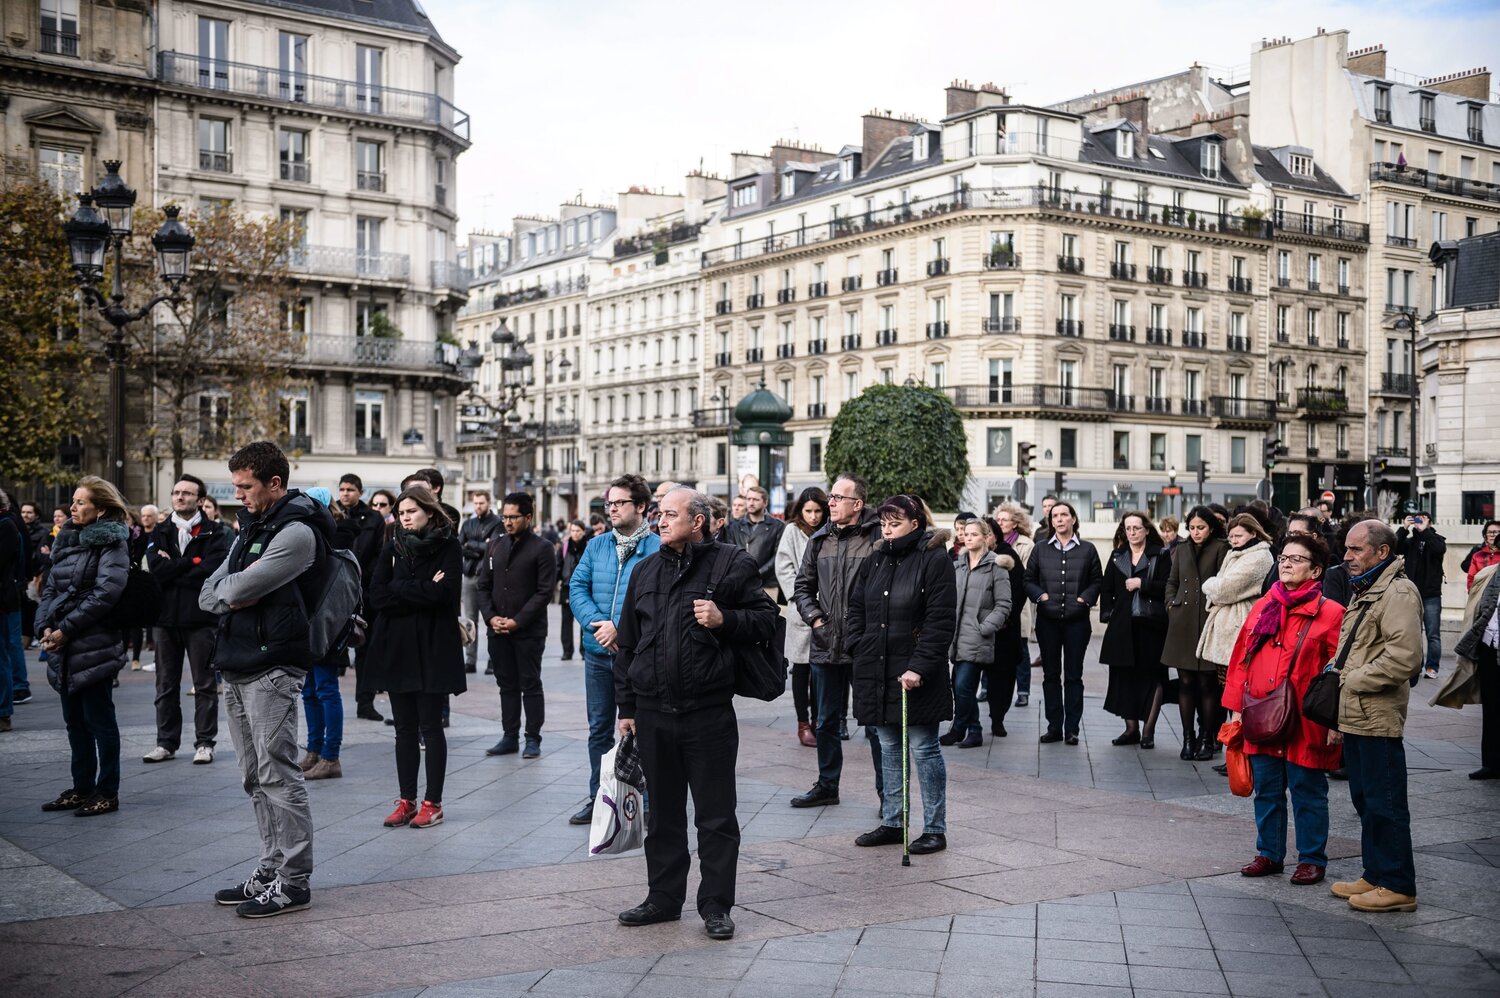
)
(1132, 606)
(574, 540)
(85, 651)
(416, 654)
(1010, 646)
(902, 614)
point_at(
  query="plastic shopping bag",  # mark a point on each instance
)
(1241, 778)
(619, 816)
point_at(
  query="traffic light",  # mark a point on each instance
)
(1025, 459)
(1202, 476)
(1273, 451)
(1059, 482)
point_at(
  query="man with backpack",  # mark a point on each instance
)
(182, 551)
(263, 594)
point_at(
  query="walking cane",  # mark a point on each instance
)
(905, 788)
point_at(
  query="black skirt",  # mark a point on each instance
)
(1132, 690)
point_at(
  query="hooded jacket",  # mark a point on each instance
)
(260, 592)
(902, 615)
(71, 604)
(830, 565)
(984, 607)
(181, 574)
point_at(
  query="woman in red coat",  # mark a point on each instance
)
(1291, 631)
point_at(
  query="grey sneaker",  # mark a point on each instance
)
(254, 887)
(278, 899)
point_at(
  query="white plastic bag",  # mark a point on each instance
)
(619, 815)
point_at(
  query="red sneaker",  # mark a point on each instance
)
(405, 811)
(1260, 866)
(430, 814)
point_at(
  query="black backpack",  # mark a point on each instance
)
(759, 667)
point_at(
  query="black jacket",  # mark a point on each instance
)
(365, 530)
(760, 540)
(13, 564)
(829, 567)
(1124, 632)
(88, 576)
(475, 536)
(902, 614)
(517, 580)
(181, 574)
(1008, 639)
(669, 662)
(1070, 579)
(40, 535)
(1423, 551)
(414, 643)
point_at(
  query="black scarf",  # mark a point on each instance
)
(418, 545)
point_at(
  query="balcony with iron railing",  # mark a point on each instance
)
(297, 172)
(723, 307)
(884, 278)
(818, 289)
(369, 446)
(849, 341)
(785, 351)
(1070, 264)
(1159, 335)
(853, 283)
(755, 301)
(786, 296)
(383, 353)
(1071, 397)
(1002, 259)
(448, 274)
(59, 42)
(1438, 183)
(817, 410)
(353, 98)
(294, 442)
(1194, 279)
(1401, 242)
(340, 261)
(440, 195)
(1476, 134)
(1121, 332)
(755, 355)
(723, 358)
(1070, 327)
(1393, 452)
(1322, 403)
(937, 268)
(704, 419)
(1158, 404)
(215, 162)
(1252, 412)
(1321, 228)
(937, 330)
(369, 180)
(815, 347)
(1239, 285)
(1238, 344)
(885, 337)
(1122, 271)
(1159, 275)
(1194, 339)
(1397, 384)
(1002, 324)
(540, 291)
(659, 239)
(1194, 407)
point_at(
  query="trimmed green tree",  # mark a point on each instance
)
(902, 439)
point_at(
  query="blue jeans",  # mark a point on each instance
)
(599, 696)
(965, 701)
(324, 707)
(12, 661)
(1432, 623)
(1274, 776)
(1023, 669)
(830, 691)
(1377, 785)
(94, 737)
(930, 770)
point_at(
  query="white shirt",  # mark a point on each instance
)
(185, 529)
(1492, 630)
(1072, 542)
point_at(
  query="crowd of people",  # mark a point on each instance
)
(890, 621)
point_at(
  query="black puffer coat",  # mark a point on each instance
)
(99, 551)
(1008, 639)
(1070, 580)
(414, 642)
(902, 615)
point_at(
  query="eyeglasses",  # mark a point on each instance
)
(380, 505)
(1294, 559)
(617, 503)
(835, 497)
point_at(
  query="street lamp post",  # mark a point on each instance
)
(563, 363)
(721, 399)
(90, 236)
(1405, 321)
(512, 390)
(1172, 484)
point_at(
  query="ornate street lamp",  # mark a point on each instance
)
(91, 233)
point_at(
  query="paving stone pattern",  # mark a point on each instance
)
(1092, 870)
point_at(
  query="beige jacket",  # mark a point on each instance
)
(1230, 595)
(1461, 683)
(1387, 651)
(1023, 547)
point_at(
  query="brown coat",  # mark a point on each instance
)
(1387, 652)
(1187, 611)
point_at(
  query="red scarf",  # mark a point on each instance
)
(1273, 615)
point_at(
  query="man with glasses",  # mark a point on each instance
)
(181, 553)
(596, 594)
(369, 538)
(759, 534)
(829, 567)
(516, 582)
(475, 536)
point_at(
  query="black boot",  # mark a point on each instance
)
(1189, 747)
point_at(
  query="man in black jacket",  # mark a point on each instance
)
(184, 550)
(829, 567)
(474, 537)
(516, 583)
(369, 538)
(674, 689)
(759, 533)
(1424, 549)
(37, 536)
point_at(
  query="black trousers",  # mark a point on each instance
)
(422, 712)
(364, 683)
(1063, 645)
(197, 643)
(1489, 692)
(518, 673)
(693, 752)
(569, 629)
(1000, 680)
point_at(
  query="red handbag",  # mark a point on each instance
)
(1236, 762)
(1271, 719)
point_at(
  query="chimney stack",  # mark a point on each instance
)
(1134, 109)
(1472, 84)
(1368, 61)
(881, 128)
(962, 97)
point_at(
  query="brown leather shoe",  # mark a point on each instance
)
(1349, 888)
(326, 769)
(309, 761)
(1382, 899)
(1260, 866)
(805, 734)
(1307, 873)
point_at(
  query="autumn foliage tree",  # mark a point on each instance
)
(43, 374)
(228, 337)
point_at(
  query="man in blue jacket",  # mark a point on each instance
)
(596, 594)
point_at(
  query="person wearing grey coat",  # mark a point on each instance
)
(85, 652)
(984, 608)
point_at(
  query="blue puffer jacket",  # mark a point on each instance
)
(597, 589)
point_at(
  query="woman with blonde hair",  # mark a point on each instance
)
(1016, 530)
(86, 647)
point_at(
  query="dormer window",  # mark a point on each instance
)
(1124, 143)
(919, 146)
(846, 168)
(1383, 104)
(788, 184)
(1301, 165)
(1208, 159)
(746, 195)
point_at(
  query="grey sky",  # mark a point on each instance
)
(581, 96)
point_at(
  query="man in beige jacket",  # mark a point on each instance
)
(1380, 646)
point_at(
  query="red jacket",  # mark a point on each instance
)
(1308, 746)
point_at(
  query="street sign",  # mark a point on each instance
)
(1018, 489)
(1171, 490)
(1327, 496)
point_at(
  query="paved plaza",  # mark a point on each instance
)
(1092, 870)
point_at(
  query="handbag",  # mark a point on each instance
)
(1320, 704)
(467, 632)
(1143, 607)
(1236, 762)
(1269, 720)
(759, 667)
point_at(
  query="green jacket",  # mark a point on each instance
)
(1387, 652)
